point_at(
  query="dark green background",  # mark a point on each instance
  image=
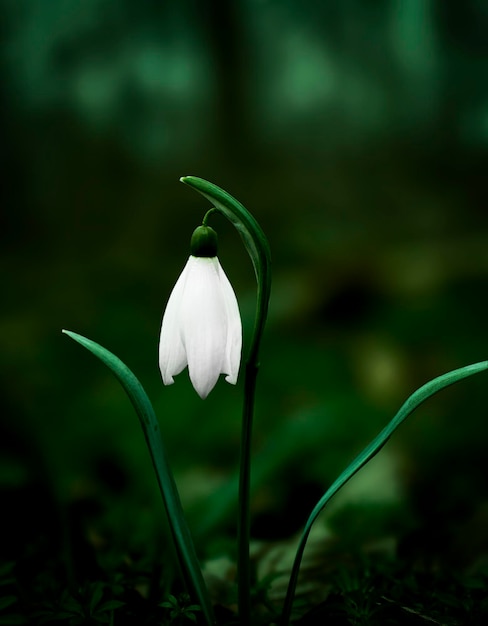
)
(357, 134)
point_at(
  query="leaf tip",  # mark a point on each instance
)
(70, 333)
(192, 181)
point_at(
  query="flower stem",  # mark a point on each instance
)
(243, 529)
(207, 215)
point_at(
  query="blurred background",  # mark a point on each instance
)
(357, 134)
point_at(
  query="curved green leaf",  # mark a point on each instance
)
(180, 532)
(415, 400)
(251, 232)
(254, 240)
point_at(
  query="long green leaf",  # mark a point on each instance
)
(416, 399)
(150, 426)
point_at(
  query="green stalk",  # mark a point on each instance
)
(257, 247)
(243, 526)
(417, 398)
(179, 529)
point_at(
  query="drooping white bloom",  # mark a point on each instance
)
(201, 327)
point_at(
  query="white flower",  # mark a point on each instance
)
(201, 327)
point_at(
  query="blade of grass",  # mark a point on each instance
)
(179, 529)
(415, 400)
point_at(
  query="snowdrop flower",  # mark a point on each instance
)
(201, 324)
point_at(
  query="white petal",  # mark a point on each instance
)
(201, 327)
(234, 330)
(204, 323)
(172, 354)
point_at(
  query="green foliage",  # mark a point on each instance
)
(180, 610)
(90, 604)
(10, 611)
(379, 592)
